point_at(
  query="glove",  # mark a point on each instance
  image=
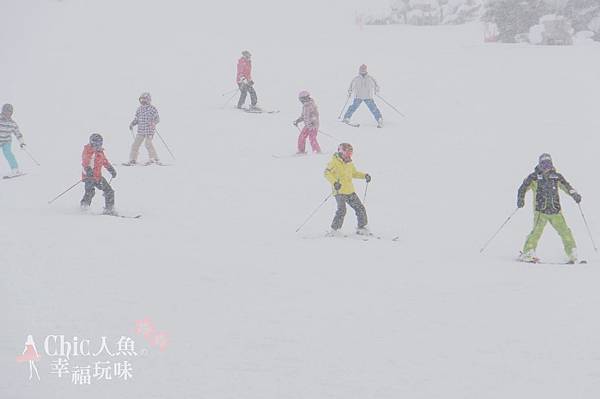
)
(250, 83)
(89, 174)
(368, 177)
(296, 122)
(112, 171)
(576, 197)
(22, 145)
(337, 186)
(349, 93)
(520, 203)
(131, 126)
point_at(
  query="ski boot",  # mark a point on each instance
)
(528, 257)
(130, 163)
(110, 212)
(380, 122)
(363, 231)
(333, 233)
(573, 257)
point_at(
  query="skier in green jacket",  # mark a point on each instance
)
(545, 182)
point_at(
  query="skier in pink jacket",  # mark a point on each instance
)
(310, 117)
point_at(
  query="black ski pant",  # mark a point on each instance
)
(90, 191)
(354, 202)
(244, 90)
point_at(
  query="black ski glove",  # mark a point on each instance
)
(112, 171)
(296, 122)
(368, 177)
(520, 202)
(577, 197)
(337, 186)
(22, 145)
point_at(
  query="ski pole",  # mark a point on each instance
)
(365, 197)
(345, 104)
(166, 146)
(229, 92)
(588, 228)
(229, 99)
(64, 192)
(498, 231)
(390, 105)
(329, 135)
(30, 156)
(313, 213)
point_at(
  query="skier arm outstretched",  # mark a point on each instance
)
(109, 167)
(134, 122)
(19, 135)
(564, 185)
(357, 174)
(375, 85)
(525, 186)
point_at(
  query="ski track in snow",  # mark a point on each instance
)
(253, 310)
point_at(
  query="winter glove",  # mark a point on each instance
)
(131, 126)
(89, 174)
(520, 203)
(22, 145)
(297, 121)
(576, 197)
(337, 186)
(112, 171)
(368, 177)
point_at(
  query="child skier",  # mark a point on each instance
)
(244, 80)
(545, 182)
(363, 86)
(146, 118)
(340, 172)
(8, 127)
(310, 118)
(93, 160)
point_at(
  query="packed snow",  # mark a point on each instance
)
(251, 308)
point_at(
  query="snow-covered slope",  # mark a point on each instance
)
(252, 309)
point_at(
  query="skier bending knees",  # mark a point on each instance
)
(93, 160)
(340, 172)
(545, 182)
(310, 118)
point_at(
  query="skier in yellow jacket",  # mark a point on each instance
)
(340, 172)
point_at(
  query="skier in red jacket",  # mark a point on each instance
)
(93, 160)
(244, 80)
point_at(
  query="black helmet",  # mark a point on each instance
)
(96, 141)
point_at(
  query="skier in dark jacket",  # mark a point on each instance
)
(545, 182)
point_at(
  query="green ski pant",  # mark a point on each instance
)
(560, 225)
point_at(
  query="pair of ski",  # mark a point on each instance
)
(360, 237)
(147, 164)
(257, 110)
(13, 176)
(538, 261)
(296, 155)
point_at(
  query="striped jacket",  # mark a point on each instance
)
(8, 127)
(146, 118)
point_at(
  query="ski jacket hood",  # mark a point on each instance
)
(343, 172)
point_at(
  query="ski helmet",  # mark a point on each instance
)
(303, 95)
(362, 69)
(96, 141)
(246, 54)
(345, 150)
(7, 109)
(545, 161)
(145, 96)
